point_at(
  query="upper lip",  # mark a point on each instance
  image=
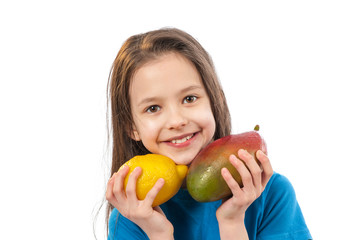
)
(179, 137)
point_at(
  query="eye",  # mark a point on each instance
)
(153, 109)
(189, 99)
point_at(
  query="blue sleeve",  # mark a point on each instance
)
(121, 228)
(282, 217)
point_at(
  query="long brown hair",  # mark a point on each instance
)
(138, 50)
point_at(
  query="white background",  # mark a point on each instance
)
(292, 67)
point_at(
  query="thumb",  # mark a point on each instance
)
(158, 209)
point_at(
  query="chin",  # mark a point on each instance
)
(182, 158)
(184, 161)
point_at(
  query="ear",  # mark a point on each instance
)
(135, 135)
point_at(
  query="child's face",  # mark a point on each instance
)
(171, 109)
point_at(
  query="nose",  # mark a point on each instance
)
(176, 119)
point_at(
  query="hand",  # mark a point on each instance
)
(255, 177)
(152, 220)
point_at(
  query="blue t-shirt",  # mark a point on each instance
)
(274, 215)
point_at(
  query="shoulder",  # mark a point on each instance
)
(279, 186)
(279, 180)
(279, 201)
(281, 216)
(278, 195)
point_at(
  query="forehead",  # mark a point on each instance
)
(174, 62)
(164, 75)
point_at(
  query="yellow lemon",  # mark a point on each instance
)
(155, 166)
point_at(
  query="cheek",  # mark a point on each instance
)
(211, 126)
(205, 119)
(147, 130)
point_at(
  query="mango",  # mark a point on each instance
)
(204, 180)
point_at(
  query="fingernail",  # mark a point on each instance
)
(260, 153)
(242, 152)
(112, 177)
(123, 167)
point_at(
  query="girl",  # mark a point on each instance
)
(166, 99)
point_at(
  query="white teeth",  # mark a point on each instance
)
(182, 140)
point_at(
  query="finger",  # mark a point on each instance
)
(131, 187)
(243, 171)
(253, 167)
(109, 193)
(266, 165)
(231, 183)
(118, 186)
(152, 194)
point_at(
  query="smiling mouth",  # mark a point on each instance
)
(182, 140)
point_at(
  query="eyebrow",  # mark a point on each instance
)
(190, 88)
(151, 99)
(147, 100)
